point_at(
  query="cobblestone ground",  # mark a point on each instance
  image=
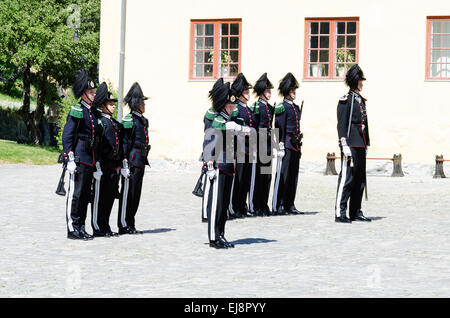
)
(404, 252)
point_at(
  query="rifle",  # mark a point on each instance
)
(60, 189)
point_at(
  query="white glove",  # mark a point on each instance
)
(98, 174)
(231, 125)
(211, 173)
(281, 150)
(125, 171)
(71, 165)
(367, 151)
(345, 148)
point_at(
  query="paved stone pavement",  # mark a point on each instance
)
(404, 252)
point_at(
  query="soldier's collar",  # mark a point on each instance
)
(241, 103)
(82, 102)
(106, 115)
(225, 115)
(289, 101)
(137, 113)
(262, 101)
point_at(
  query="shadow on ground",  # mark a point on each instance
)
(252, 240)
(158, 231)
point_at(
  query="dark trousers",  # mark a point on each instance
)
(351, 183)
(262, 186)
(286, 180)
(241, 187)
(78, 197)
(108, 192)
(218, 199)
(127, 217)
(53, 131)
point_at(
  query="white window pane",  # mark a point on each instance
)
(445, 70)
(323, 70)
(436, 27)
(446, 27)
(199, 29)
(446, 41)
(435, 41)
(435, 70)
(340, 70)
(198, 43)
(313, 70)
(446, 56)
(198, 70)
(198, 57)
(435, 56)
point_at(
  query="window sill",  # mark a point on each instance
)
(323, 80)
(437, 80)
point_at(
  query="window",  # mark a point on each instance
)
(438, 48)
(215, 49)
(331, 47)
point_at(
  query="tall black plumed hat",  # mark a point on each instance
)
(287, 83)
(239, 85)
(220, 94)
(135, 96)
(354, 75)
(100, 95)
(262, 84)
(82, 83)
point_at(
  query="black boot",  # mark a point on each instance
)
(293, 210)
(224, 240)
(76, 235)
(218, 244)
(342, 219)
(360, 217)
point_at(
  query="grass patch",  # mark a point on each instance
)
(7, 101)
(12, 152)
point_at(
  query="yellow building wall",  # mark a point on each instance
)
(407, 114)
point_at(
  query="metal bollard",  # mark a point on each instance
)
(439, 168)
(397, 171)
(331, 166)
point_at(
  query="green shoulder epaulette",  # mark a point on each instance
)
(211, 114)
(219, 123)
(235, 112)
(76, 111)
(279, 109)
(127, 121)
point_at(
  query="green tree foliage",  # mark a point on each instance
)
(37, 41)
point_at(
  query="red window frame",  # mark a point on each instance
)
(428, 61)
(216, 51)
(332, 47)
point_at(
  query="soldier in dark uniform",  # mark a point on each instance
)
(79, 143)
(264, 113)
(287, 120)
(246, 163)
(207, 121)
(220, 168)
(135, 145)
(353, 132)
(109, 154)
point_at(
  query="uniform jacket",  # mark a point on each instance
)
(359, 129)
(135, 139)
(110, 150)
(81, 123)
(264, 114)
(245, 117)
(287, 120)
(224, 164)
(208, 120)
